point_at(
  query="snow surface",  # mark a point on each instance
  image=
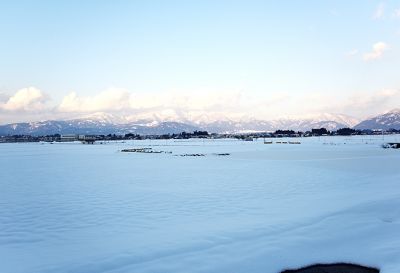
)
(70, 207)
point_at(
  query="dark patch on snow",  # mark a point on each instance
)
(334, 268)
(393, 145)
(191, 155)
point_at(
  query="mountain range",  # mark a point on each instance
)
(105, 123)
(389, 120)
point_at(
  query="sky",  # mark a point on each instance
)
(220, 59)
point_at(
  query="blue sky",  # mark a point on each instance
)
(292, 52)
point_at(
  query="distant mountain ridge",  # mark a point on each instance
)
(262, 126)
(389, 120)
(80, 126)
(104, 123)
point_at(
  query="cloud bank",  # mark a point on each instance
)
(27, 99)
(378, 49)
(109, 100)
(30, 104)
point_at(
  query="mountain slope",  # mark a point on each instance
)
(93, 127)
(273, 125)
(103, 123)
(389, 120)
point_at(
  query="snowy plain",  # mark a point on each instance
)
(69, 207)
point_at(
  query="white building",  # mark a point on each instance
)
(68, 138)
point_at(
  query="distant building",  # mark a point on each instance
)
(87, 139)
(68, 138)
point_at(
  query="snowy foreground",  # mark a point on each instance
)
(76, 208)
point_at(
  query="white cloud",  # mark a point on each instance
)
(379, 12)
(173, 104)
(396, 13)
(210, 105)
(200, 100)
(352, 53)
(26, 99)
(377, 51)
(197, 105)
(377, 99)
(109, 100)
(361, 104)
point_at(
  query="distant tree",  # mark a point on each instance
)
(130, 136)
(165, 136)
(320, 132)
(346, 132)
(200, 133)
(285, 132)
(392, 130)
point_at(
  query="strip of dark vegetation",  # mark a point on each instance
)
(334, 268)
(90, 139)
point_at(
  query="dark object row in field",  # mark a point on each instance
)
(283, 142)
(392, 145)
(147, 150)
(143, 150)
(191, 155)
(217, 154)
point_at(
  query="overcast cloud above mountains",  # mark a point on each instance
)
(104, 123)
(31, 111)
(199, 106)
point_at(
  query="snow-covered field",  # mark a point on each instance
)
(76, 208)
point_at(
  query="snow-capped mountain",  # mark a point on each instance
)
(389, 120)
(305, 123)
(95, 125)
(338, 118)
(106, 123)
(308, 122)
(106, 118)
